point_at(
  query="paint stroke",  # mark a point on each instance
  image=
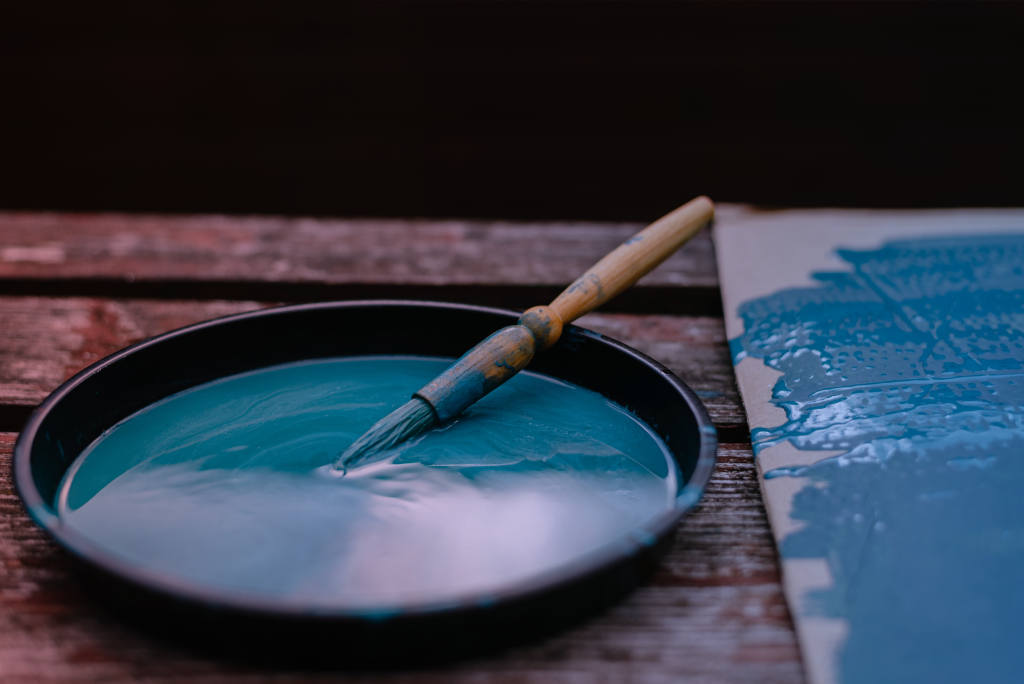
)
(913, 366)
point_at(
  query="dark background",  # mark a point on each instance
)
(535, 111)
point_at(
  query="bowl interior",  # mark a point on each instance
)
(118, 386)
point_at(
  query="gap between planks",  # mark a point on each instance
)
(496, 263)
(44, 341)
(640, 299)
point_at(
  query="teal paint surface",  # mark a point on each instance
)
(913, 365)
(229, 485)
(474, 374)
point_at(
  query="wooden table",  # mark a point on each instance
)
(74, 288)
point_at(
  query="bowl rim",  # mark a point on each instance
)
(80, 546)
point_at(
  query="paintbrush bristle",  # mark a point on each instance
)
(405, 422)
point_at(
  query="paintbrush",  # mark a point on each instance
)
(506, 352)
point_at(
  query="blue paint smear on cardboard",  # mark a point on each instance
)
(913, 364)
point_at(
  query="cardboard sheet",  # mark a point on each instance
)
(880, 356)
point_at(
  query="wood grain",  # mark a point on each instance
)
(714, 612)
(633, 259)
(323, 251)
(510, 265)
(693, 347)
(46, 340)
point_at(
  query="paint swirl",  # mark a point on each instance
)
(229, 485)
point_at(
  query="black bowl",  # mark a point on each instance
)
(123, 383)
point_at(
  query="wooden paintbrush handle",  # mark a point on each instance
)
(625, 265)
(633, 259)
(506, 352)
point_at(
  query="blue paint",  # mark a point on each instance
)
(912, 366)
(229, 486)
(585, 283)
(474, 375)
(707, 394)
(635, 238)
(544, 324)
(408, 421)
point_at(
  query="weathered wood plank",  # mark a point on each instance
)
(714, 612)
(304, 258)
(287, 259)
(695, 348)
(44, 341)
